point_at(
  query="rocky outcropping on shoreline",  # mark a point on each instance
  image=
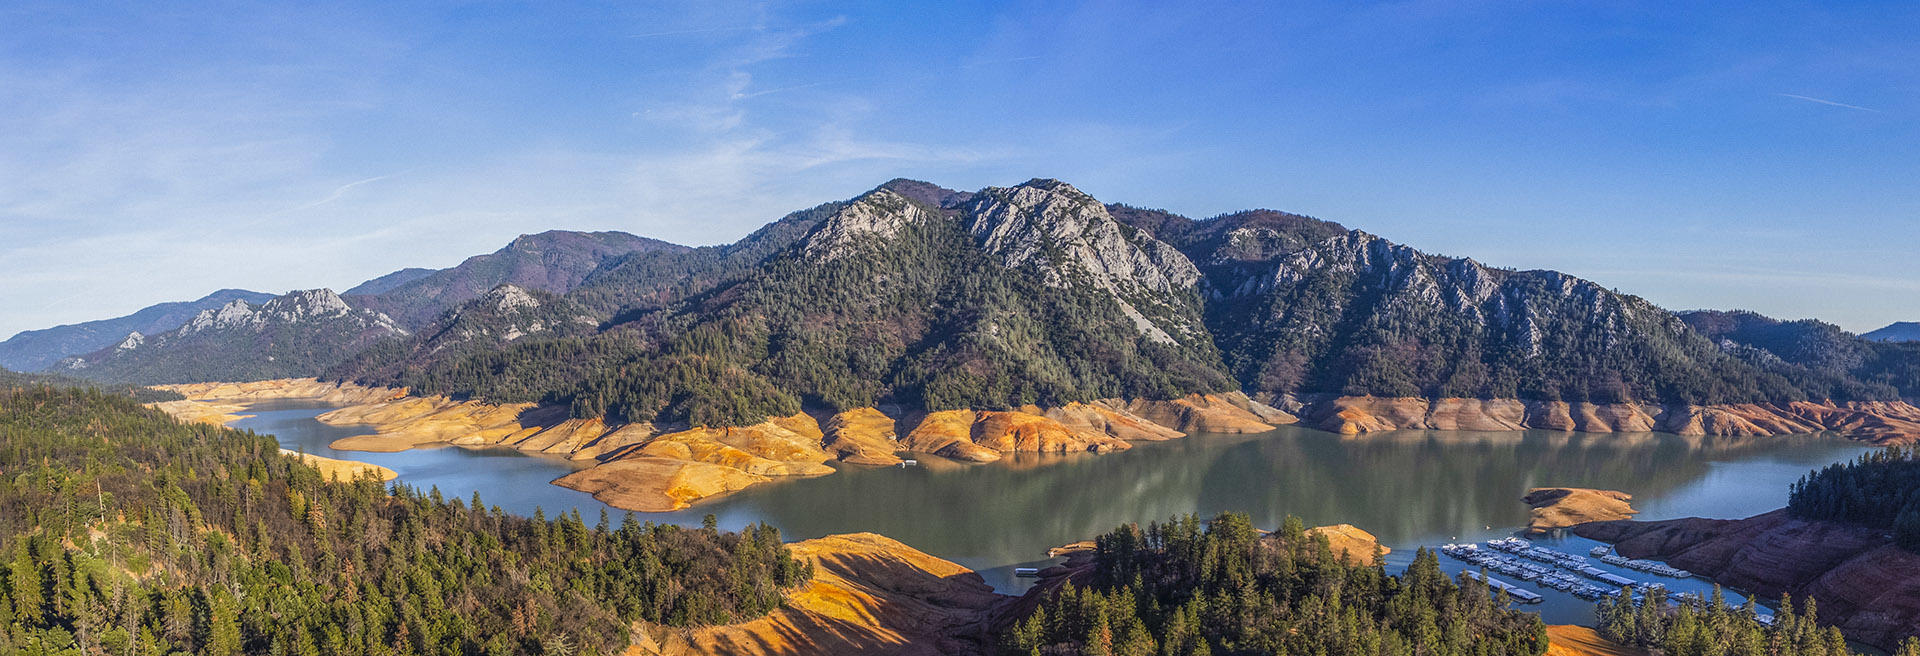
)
(642, 468)
(1863, 583)
(1561, 507)
(1878, 422)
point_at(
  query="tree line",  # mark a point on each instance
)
(125, 532)
(1709, 627)
(1179, 588)
(1880, 490)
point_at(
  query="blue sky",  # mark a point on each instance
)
(1732, 155)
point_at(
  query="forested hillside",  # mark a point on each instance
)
(1879, 490)
(34, 350)
(1179, 589)
(295, 335)
(135, 392)
(1711, 628)
(124, 532)
(554, 261)
(881, 300)
(1817, 356)
(924, 298)
(1300, 306)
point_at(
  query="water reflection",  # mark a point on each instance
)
(1408, 487)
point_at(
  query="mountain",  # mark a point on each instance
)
(923, 299)
(295, 335)
(1902, 331)
(1301, 308)
(35, 350)
(386, 283)
(554, 261)
(1816, 355)
(502, 316)
(1026, 295)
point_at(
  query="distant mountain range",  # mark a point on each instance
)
(287, 336)
(921, 298)
(1903, 331)
(35, 350)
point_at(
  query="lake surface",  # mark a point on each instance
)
(1410, 488)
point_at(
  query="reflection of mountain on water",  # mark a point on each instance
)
(1403, 486)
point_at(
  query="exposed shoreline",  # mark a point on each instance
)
(874, 595)
(1864, 584)
(648, 468)
(1875, 422)
(1562, 507)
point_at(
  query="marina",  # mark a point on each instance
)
(1559, 570)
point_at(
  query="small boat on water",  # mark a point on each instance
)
(1027, 572)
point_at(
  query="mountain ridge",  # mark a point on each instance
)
(35, 350)
(1898, 331)
(284, 336)
(928, 299)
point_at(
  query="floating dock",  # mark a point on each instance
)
(1513, 592)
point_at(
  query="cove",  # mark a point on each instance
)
(1409, 488)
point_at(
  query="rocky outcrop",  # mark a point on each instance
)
(1863, 583)
(1358, 545)
(985, 436)
(1109, 418)
(650, 484)
(863, 436)
(301, 333)
(1561, 507)
(1890, 422)
(869, 595)
(1071, 239)
(34, 350)
(1211, 413)
(877, 215)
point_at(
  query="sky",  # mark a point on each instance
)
(1761, 156)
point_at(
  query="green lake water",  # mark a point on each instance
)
(1410, 488)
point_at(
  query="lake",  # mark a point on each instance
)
(1410, 488)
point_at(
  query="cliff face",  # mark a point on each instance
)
(1864, 584)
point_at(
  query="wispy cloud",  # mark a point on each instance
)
(1823, 101)
(339, 192)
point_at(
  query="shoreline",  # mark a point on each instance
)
(648, 468)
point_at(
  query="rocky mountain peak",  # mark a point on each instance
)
(234, 313)
(508, 297)
(877, 214)
(1069, 238)
(306, 304)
